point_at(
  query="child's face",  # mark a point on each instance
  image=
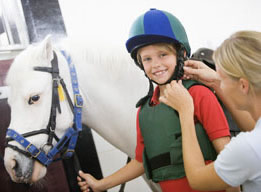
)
(159, 62)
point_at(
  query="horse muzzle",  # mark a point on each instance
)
(23, 169)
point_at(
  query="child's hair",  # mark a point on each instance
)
(168, 46)
(240, 56)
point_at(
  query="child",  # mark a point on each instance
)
(158, 44)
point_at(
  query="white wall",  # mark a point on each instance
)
(207, 22)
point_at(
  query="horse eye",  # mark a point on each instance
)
(33, 99)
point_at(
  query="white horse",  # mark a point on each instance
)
(109, 82)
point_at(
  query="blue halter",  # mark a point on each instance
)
(65, 145)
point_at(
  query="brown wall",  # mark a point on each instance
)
(4, 66)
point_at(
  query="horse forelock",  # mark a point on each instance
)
(23, 78)
(24, 63)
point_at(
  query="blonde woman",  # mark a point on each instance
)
(238, 83)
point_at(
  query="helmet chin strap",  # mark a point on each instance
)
(151, 89)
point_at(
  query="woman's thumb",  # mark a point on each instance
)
(163, 99)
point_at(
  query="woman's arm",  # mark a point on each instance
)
(200, 176)
(130, 171)
(219, 145)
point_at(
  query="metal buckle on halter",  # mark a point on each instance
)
(57, 79)
(27, 149)
(78, 100)
(67, 154)
(69, 151)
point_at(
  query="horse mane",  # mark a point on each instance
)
(109, 57)
(107, 61)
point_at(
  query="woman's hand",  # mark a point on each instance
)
(197, 70)
(177, 96)
(87, 181)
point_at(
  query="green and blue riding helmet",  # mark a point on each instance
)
(157, 26)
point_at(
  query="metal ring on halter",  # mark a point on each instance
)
(52, 129)
(42, 147)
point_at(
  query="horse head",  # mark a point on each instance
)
(40, 111)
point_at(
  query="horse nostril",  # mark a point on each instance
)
(16, 168)
(13, 163)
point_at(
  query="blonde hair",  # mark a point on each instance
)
(167, 46)
(240, 57)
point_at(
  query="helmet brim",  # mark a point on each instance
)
(137, 42)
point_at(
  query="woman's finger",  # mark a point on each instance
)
(191, 63)
(191, 71)
(180, 83)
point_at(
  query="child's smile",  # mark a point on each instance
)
(160, 72)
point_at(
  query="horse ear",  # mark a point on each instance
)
(47, 48)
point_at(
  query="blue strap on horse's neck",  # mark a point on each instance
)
(78, 103)
(69, 137)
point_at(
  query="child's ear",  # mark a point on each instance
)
(244, 85)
